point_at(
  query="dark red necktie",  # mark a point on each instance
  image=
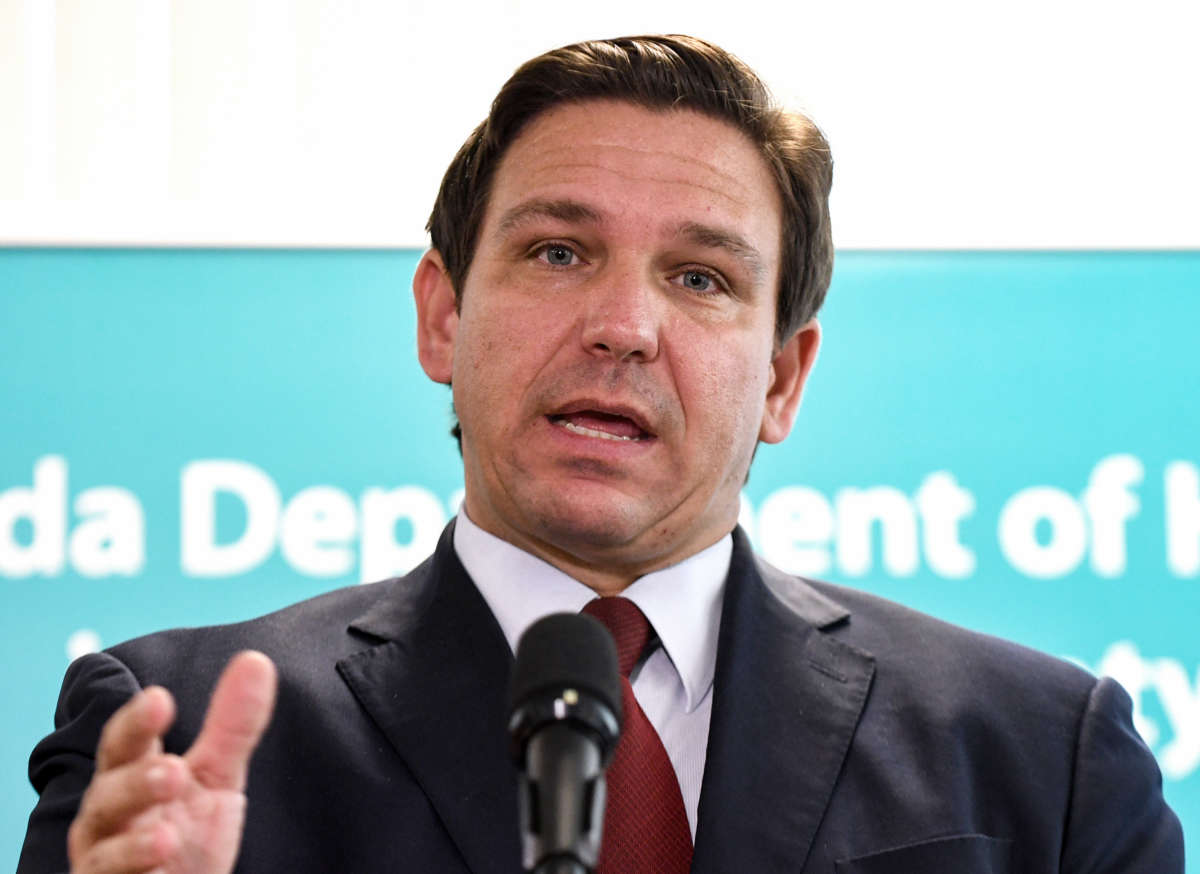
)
(645, 824)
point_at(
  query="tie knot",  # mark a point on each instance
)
(627, 624)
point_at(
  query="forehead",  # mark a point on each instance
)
(667, 167)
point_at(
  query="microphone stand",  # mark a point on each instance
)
(561, 866)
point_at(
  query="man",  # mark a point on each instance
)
(627, 259)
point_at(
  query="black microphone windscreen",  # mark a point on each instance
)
(567, 651)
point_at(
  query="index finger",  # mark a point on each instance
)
(237, 716)
(136, 728)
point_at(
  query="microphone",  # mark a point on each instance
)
(563, 727)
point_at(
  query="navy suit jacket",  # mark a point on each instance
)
(848, 735)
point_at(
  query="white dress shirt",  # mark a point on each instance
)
(682, 602)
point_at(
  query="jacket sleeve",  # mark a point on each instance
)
(61, 766)
(1118, 821)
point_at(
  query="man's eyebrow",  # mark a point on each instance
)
(563, 210)
(716, 238)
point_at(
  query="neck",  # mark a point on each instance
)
(606, 570)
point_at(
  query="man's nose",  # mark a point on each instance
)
(623, 317)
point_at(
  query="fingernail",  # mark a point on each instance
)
(156, 780)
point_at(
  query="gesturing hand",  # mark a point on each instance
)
(146, 810)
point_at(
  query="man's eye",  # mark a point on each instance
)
(557, 256)
(697, 280)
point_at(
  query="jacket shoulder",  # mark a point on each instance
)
(910, 642)
(315, 624)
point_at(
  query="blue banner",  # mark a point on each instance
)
(1007, 440)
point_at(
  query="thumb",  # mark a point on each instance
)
(237, 716)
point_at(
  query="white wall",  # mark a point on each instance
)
(329, 122)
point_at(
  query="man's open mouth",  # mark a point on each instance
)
(606, 426)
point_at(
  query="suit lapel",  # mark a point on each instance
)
(786, 700)
(437, 686)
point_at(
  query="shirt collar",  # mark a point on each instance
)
(682, 602)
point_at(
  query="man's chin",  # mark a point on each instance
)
(589, 528)
(596, 526)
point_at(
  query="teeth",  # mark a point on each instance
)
(592, 432)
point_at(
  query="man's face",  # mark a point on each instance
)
(613, 360)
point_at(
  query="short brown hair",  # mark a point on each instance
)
(657, 72)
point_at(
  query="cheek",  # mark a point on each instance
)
(499, 352)
(726, 400)
(475, 374)
(482, 338)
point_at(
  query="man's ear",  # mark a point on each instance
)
(789, 371)
(437, 317)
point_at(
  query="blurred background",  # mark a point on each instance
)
(209, 217)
